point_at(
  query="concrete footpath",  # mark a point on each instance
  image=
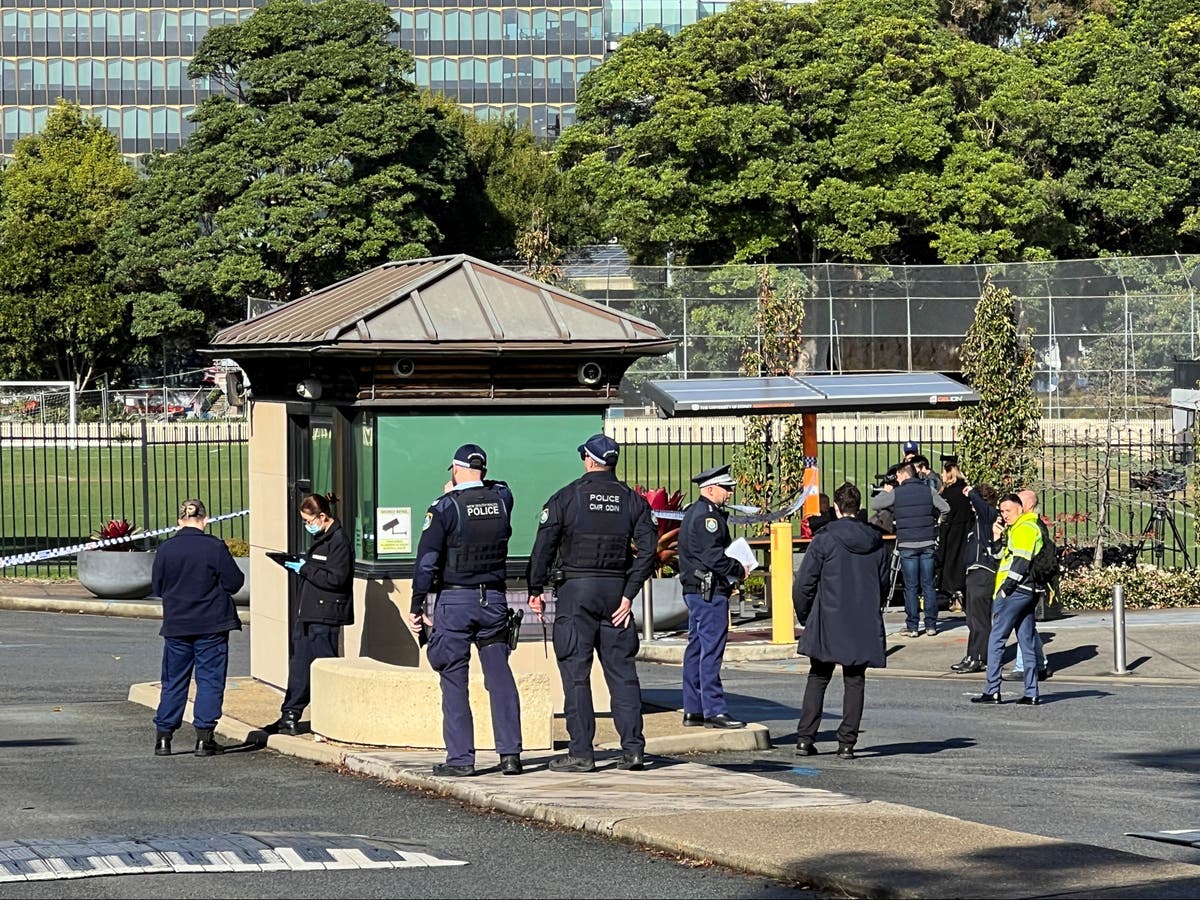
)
(831, 841)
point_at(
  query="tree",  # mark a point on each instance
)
(770, 463)
(58, 199)
(843, 129)
(326, 161)
(1000, 438)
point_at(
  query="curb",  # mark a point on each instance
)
(129, 609)
(748, 651)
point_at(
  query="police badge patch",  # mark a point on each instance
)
(710, 525)
(545, 515)
(428, 520)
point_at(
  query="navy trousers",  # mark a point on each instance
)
(459, 619)
(708, 629)
(583, 627)
(208, 656)
(1015, 611)
(310, 640)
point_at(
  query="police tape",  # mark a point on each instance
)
(754, 518)
(36, 556)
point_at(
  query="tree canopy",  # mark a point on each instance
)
(868, 130)
(63, 190)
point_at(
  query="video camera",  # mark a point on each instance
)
(1159, 482)
(887, 478)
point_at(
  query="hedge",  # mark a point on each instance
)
(1145, 587)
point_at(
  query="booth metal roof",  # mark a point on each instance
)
(441, 303)
(808, 393)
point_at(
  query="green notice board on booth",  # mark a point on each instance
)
(534, 452)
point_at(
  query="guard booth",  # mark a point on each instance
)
(368, 386)
(804, 395)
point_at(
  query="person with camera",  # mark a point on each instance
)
(1015, 600)
(596, 540)
(916, 507)
(463, 556)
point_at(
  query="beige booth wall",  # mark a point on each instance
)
(268, 531)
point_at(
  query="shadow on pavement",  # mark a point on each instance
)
(741, 706)
(1064, 658)
(1182, 760)
(912, 748)
(40, 742)
(1061, 696)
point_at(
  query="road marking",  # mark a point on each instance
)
(53, 859)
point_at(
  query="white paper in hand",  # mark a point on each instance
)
(743, 553)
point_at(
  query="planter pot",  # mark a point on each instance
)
(242, 597)
(666, 600)
(116, 574)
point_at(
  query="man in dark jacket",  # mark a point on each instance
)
(196, 577)
(837, 594)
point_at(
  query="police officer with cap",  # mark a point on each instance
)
(708, 576)
(462, 556)
(596, 541)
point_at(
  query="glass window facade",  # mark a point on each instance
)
(126, 60)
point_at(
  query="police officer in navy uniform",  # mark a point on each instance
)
(462, 557)
(596, 542)
(708, 577)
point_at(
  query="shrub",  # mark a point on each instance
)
(1145, 587)
(116, 528)
(237, 546)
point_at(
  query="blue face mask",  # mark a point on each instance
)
(312, 527)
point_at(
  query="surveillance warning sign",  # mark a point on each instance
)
(393, 529)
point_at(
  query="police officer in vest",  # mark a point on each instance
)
(596, 542)
(708, 578)
(462, 556)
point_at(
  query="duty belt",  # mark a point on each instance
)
(487, 586)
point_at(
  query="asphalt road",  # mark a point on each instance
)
(76, 762)
(1090, 764)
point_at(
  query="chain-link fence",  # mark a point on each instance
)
(1108, 332)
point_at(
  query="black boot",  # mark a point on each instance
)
(162, 746)
(510, 764)
(205, 745)
(288, 723)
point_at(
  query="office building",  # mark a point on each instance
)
(126, 60)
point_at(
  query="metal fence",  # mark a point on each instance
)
(1085, 468)
(59, 485)
(1107, 331)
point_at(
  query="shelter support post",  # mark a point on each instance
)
(782, 617)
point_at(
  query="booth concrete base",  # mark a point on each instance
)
(363, 701)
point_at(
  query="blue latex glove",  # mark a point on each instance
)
(295, 566)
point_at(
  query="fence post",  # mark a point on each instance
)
(145, 484)
(1118, 595)
(783, 629)
(648, 610)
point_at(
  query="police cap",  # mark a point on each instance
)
(717, 475)
(469, 456)
(912, 447)
(602, 449)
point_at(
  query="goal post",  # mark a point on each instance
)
(39, 401)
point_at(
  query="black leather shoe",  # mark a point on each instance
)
(1030, 701)
(846, 751)
(968, 667)
(958, 666)
(693, 718)
(162, 746)
(805, 748)
(510, 764)
(570, 763)
(724, 720)
(205, 745)
(632, 762)
(288, 723)
(987, 698)
(445, 770)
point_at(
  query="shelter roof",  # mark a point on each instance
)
(808, 393)
(438, 304)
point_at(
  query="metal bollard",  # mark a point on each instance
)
(648, 610)
(1119, 630)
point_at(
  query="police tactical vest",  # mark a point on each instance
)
(600, 536)
(479, 542)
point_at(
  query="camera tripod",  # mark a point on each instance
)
(1158, 522)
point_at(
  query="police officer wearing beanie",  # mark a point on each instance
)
(462, 555)
(708, 577)
(196, 577)
(596, 541)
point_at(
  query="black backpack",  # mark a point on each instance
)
(1044, 566)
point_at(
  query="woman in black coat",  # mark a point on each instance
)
(952, 534)
(837, 595)
(326, 603)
